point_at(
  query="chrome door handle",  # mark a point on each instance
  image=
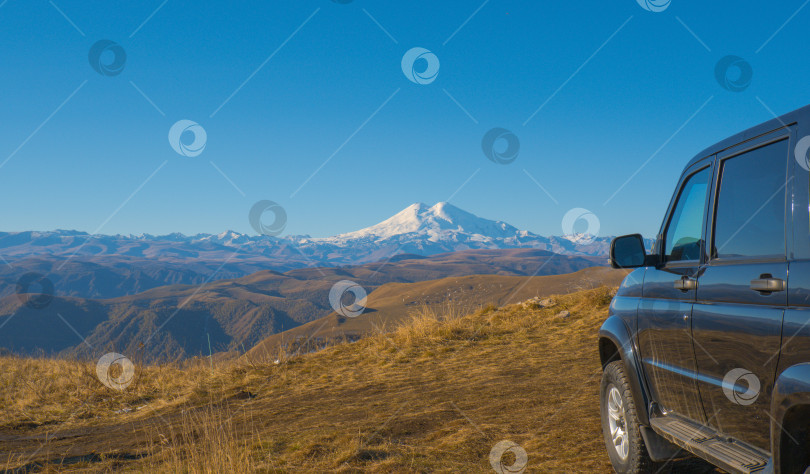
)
(768, 285)
(685, 284)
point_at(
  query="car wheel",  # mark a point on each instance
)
(620, 424)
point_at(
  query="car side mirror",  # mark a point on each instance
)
(628, 251)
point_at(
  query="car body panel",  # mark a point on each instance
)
(733, 344)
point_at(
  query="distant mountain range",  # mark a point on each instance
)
(233, 290)
(109, 266)
(417, 229)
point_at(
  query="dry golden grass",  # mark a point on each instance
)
(394, 303)
(434, 395)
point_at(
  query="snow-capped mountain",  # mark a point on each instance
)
(427, 230)
(418, 229)
(440, 222)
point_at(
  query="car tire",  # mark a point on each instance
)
(620, 425)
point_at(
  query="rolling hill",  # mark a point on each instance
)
(178, 321)
(392, 304)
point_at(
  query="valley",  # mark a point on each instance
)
(232, 315)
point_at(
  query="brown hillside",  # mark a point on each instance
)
(436, 395)
(178, 321)
(390, 304)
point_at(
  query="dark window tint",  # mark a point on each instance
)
(684, 233)
(750, 220)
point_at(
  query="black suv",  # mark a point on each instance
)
(707, 346)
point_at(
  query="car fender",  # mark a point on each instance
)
(792, 388)
(615, 330)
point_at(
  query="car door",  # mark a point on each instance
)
(742, 289)
(665, 343)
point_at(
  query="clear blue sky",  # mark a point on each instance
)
(606, 113)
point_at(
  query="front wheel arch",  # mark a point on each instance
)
(615, 344)
(608, 352)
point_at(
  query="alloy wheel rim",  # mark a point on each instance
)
(617, 422)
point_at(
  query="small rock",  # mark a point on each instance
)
(538, 303)
(564, 314)
(547, 302)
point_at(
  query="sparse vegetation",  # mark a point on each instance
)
(434, 395)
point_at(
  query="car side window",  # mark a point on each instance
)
(683, 237)
(750, 215)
